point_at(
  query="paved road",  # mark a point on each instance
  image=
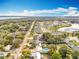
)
(38, 42)
(24, 41)
(75, 48)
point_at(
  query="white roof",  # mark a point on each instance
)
(8, 47)
(3, 53)
(36, 55)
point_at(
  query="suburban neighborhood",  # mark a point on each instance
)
(35, 39)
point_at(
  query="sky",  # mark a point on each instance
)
(39, 7)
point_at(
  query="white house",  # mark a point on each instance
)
(7, 48)
(36, 55)
(3, 54)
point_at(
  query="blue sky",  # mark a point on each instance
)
(39, 7)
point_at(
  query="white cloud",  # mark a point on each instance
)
(12, 13)
(71, 11)
(72, 8)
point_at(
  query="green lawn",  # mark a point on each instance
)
(75, 43)
(55, 28)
